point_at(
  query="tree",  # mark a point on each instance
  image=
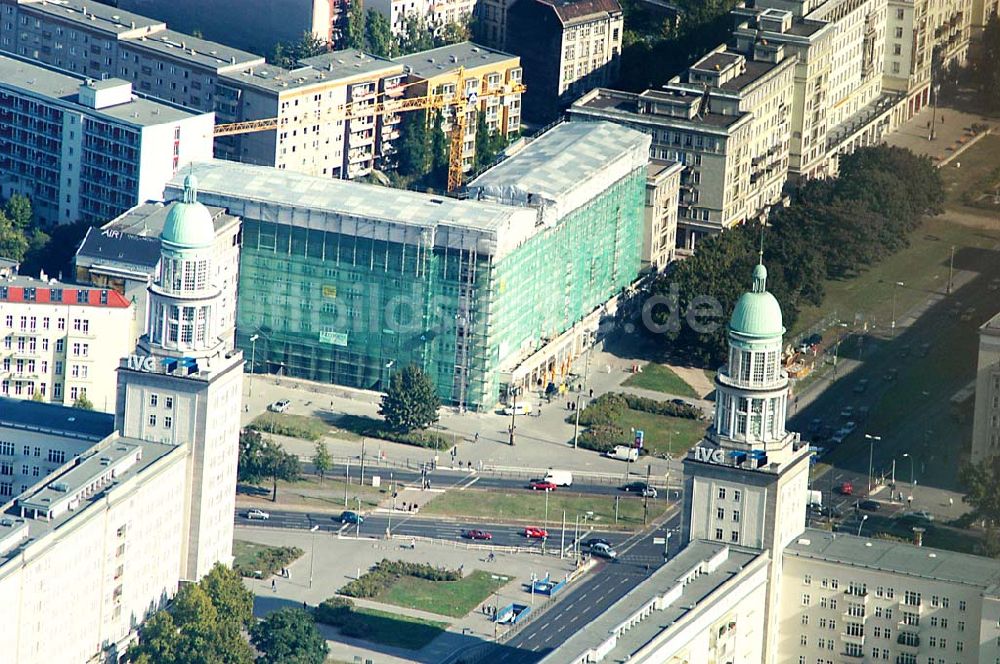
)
(288, 55)
(454, 32)
(411, 157)
(262, 459)
(158, 642)
(482, 156)
(439, 146)
(982, 485)
(289, 636)
(13, 242)
(229, 596)
(355, 33)
(18, 209)
(83, 403)
(415, 36)
(322, 460)
(378, 34)
(411, 402)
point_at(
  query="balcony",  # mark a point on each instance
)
(909, 642)
(850, 638)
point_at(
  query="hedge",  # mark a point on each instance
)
(268, 561)
(384, 573)
(374, 428)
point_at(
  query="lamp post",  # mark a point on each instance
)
(892, 333)
(312, 555)
(253, 359)
(586, 378)
(513, 413)
(913, 482)
(935, 90)
(871, 457)
(357, 530)
(861, 525)
(389, 365)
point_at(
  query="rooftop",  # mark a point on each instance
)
(991, 327)
(896, 557)
(658, 167)
(192, 49)
(36, 80)
(349, 63)
(50, 418)
(565, 160)
(625, 105)
(94, 16)
(446, 59)
(29, 290)
(801, 27)
(572, 11)
(699, 570)
(274, 78)
(751, 70)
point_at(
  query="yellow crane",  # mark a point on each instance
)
(459, 100)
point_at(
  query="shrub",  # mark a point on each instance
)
(606, 409)
(293, 426)
(370, 427)
(601, 438)
(647, 405)
(384, 573)
(333, 611)
(268, 561)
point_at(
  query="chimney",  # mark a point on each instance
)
(918, 536)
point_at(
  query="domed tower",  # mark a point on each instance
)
(184, 384)
(746, 482)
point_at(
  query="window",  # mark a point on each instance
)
(152, 420)
(961, 605)
(153, 400)
(805, 599)
(736, 516)
(168, 403)
(734, 536)
(720, 513)
(168, 422)
(722, 493)
(911, 598)
(57, 456)
(737, 494)
(718, 534)
(807, 579)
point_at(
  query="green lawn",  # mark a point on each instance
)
(978, 175)
(295, 426)
(529, 506)
(446, 598)
(396, 630)
(251, 557)
(329, 493)
(661, 378)
(663, 435)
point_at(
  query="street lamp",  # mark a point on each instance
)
(312, 555)
(871, 457)
(861, 525)
(389, 365)
(913, 482)
(579, 394)
(253, 358)
(893, 330)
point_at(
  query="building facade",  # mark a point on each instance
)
(60, 342)
(86, 150)
(340, 292)
(567, 48)
(659, 236)
(986, 422)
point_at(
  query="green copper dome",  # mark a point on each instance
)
(189, 223)
(757, 313)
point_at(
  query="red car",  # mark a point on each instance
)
(542, 486)
(846, 489)
(532, 532)
(477, 535)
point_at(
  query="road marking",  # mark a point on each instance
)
(468, 484)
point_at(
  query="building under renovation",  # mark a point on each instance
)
(345, 283)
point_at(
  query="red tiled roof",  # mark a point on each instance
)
(43, 295)
(570, 10)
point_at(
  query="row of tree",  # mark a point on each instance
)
(370, 31)
(209, 622)
(834, 228)
(423, 147)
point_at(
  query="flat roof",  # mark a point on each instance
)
(50, 418)
(93, 15)
(675, 574)
(896, 557)
(35, 80)
(658, 167)
(192, 49)
(624, 105)
(273, 78)
(349, 63)
(565, 158)
(68, 295)
(344, 197)
(438, 61)
(991, 327)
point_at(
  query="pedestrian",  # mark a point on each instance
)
(274, 586)
(246, 408)
(591, 393)
(414, 505)
(305, 607)
(951, 501)
(404, 505)
(476, 438)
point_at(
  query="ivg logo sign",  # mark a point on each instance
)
(709, 455)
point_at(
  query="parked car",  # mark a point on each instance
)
(826, 511)
(519, 409)
(637, 487)
(477, 535)
(815, 424)
(348, 516)
(861, 386)
(891, 374)
(846, 489)
(925, 350)
(534, 532)
(603, 551)
(919, 515)
(258, 514)
(870, 505)
(994, 284)
(679, 402)
(542, 485)
(280, 406)
(594, 541)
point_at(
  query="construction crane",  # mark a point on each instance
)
(459, 100)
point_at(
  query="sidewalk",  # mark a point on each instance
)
(949, 136)
(338, 561)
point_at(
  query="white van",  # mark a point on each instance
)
(624, 453)
(559, 477)
(519, 409)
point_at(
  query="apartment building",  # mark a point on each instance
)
(908, 45)
(124, 255)
(811, 42)
(436, 15)
(315, 134)
(477, 73)
(59, 342)
(254, 25)
(567, 47)
(87, 150)
(950, 27)
(659, 238)
(986, 422)
(982, 11)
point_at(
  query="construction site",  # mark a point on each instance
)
(336, 289)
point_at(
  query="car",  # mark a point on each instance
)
(280, 406)
(638, 487)
(968, 313)
(348, 516)
(477, 535)
(846, 489)
(679, 402)
(994, 284)
(534, 532)
(864, 411)
(603, 551)
(847, 413)
(827, 512)
(649, 492)
(519, 409)
(849, 428)
(918, 515)
(838, 437)
(594, 541)
(814, 339)
(861, 386)
(870, 505)
(891, 374)
(815, 424)
(925, 350)
(542, 485)
(258, 514)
